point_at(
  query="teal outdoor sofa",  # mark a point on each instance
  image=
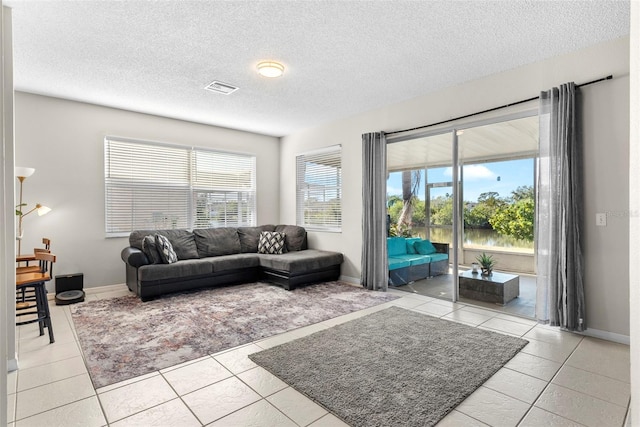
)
(412, 258)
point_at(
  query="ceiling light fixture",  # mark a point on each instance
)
(270, 69)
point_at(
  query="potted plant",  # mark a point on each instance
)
(486, 263)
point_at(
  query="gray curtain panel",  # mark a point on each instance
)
(374, 213)
(559, 206)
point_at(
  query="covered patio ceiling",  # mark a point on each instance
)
(510, 139)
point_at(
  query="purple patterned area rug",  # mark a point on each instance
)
(122, 338)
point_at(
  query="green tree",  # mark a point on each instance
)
(395, 207)
(490, 198)
(393, 199)
(516, 220)
(478, 215)
(419, 213)
(523, 192)
(442, 210)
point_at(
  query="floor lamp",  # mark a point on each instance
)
(23, 173)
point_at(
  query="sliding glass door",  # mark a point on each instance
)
(471, 187)
(420, 200)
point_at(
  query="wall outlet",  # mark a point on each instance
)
(601, 219)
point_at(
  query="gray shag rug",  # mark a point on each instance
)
(122, 338)
(395, 367)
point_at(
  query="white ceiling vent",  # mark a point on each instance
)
(220, 87)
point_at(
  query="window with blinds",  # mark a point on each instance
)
(156, 186)
(319, 189)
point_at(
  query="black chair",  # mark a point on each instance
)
(37, 307)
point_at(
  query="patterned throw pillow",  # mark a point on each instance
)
(150, 249)
(271, 242)
(165, 249)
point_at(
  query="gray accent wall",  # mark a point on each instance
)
(63, 141)
(606, 159)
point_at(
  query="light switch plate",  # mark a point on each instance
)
(601, 219)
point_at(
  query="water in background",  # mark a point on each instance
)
(474, 238)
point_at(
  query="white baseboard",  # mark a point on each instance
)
(12, 364)
(349, 279)
(606, 335)
(105, 288)
(95, 290)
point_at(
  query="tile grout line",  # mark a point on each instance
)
(563, 364)
(533, 404)
(504, 367)
(550, 382)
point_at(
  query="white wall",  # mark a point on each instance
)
(606, 154)
(63, 141)
(634, 209)
(8, 358)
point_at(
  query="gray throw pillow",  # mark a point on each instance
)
(165, 249)
(271, 242)
(150, 249)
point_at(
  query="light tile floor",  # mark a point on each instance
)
(440, 287)
(559, 378)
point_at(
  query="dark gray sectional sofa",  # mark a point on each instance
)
(223, 256)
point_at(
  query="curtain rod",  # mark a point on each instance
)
(609, 77)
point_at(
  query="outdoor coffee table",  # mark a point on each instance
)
(498, 287)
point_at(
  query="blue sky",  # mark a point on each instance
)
(478, 178)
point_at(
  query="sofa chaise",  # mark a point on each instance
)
(223, 256)
(410, 259)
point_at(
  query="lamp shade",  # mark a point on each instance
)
(43, 210)
(23, 172)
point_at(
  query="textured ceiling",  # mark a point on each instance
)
(341, 58)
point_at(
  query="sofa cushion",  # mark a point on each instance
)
(186, 269)
(409, 241)
(301, 261)
(439, 257)
(165, 249)
(271, 242)
(183, 241)
(396, 246)
(249, 237)
(217, 241)
(415, 259)
(232, 262)
(295, 237)
(150, 249)
(397, 263)
(424, 247)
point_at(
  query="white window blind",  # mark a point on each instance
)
(224, 189)
(155, 186)
(319, 189)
